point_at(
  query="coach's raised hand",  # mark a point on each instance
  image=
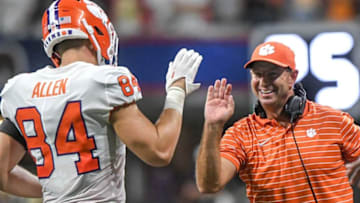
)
(185, 65)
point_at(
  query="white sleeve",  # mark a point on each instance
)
(121, 87)
(6, 98)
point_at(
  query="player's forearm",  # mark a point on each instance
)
(22, 183)
(208, 164)
(154, 144)
(168, 127)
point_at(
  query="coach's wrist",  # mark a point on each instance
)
(216, 127)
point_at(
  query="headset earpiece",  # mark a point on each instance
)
(294, 108)
(296, 104)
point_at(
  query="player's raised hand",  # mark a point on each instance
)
(219, 106)
(185, 65)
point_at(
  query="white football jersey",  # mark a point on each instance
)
(63, 114)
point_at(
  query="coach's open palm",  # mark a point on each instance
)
(219, 106)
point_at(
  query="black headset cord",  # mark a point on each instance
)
(302, 163)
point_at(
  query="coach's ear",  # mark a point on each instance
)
(294, 74)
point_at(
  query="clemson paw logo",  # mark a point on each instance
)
(311, 132)
(266, 50)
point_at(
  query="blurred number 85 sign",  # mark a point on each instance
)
(327, 57)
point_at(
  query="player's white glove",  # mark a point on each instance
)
(185, 65)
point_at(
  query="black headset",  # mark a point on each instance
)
(294, 106)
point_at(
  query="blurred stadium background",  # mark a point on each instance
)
(324, 34)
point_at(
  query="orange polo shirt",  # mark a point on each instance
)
(265, 155)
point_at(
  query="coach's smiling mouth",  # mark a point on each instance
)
(266, 92)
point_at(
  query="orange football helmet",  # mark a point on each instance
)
(79, 19)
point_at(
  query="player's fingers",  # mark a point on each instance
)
(190, 65)
(190, 62)
(190, 53)
(195, 66)
(170, 69)
(187, 57)
(193, 58)
(198, 61)
(180, 55)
